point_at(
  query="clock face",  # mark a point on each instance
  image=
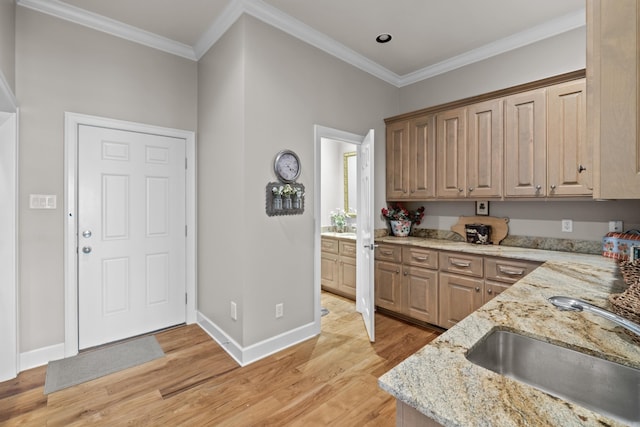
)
(287, 166)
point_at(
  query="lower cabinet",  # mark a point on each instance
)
(440, 287)
(407, 282)
(338, 266)
(459, 297)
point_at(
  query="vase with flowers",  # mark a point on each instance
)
(277, 197)
(287, 192)
(401, 219)
(338, 220)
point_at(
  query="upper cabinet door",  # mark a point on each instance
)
(485, 142)
(569, 157)
(613, 82)
(451, 136)
(525, 144)
(397, 160)
(422, 158)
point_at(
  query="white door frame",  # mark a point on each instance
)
(9, 245)
(72, 121)
(321, 132)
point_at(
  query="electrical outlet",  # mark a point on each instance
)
(567, 225)
(234, 311)
(615, 226)
(279, 310)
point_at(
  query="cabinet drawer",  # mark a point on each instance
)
(329, 245)
(389, 253)
(507, 270)
(348, 249)
(460, 263)
(420, 257)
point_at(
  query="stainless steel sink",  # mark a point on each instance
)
(602, 386)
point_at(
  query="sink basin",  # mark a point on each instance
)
(605, 387)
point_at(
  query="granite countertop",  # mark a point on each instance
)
(346, 236)
(442, 384)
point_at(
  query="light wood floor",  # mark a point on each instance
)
(328, 380)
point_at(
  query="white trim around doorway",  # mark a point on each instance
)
(72, 121)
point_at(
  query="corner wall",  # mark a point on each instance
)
(288, 86)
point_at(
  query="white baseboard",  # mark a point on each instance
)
(255, 352)
(41, 356)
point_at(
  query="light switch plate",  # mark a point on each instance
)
(42, 201)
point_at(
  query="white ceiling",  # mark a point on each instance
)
(429, 36)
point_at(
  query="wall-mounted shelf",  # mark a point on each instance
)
(278, 205)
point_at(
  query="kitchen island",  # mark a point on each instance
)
(438, 385)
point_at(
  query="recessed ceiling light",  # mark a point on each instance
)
(384, 38)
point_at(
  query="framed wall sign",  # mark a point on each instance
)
(482, 207)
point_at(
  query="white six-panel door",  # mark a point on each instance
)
(131, 234)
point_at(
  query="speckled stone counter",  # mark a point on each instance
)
(442, 384)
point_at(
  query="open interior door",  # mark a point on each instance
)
(365, 236)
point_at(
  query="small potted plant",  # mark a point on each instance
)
(401, 219)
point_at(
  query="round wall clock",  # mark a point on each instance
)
(287, 166)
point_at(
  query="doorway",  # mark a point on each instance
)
(76, 240)
(342, 145)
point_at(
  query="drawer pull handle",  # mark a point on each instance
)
(386, 252)
(420, 258)
(458, 263)
(509, 272)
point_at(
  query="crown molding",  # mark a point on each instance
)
(8, 101)
(110, 26)
(278, 19)
(549, 29)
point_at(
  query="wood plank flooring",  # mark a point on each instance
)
(328, 380)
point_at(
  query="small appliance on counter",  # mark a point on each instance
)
(622, 246)
(478, 233)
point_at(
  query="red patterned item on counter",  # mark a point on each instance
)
(618, 245)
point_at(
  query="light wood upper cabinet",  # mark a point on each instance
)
(613, 96)
(469, 149)
(569, 156)
(411, 148)
(397, 159)
(485, 142)
(422, 157)
(525, 144)
(451, 136)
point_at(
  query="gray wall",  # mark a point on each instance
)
(65, 67)
(288, 87)
(222, 216)
(7, 41)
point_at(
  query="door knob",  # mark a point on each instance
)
(86, 249)
(86, 233)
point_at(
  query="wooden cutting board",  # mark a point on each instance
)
(499, 227)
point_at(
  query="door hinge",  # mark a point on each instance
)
(186, 298)
(186, 231)
(186, 165)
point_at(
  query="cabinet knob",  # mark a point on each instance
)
(397, 271)
(470, 189)
(477, 289)
(489, 291)
(405, 273)
(538, 188)
(553, 187)
(460, 190)
(581, 169)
